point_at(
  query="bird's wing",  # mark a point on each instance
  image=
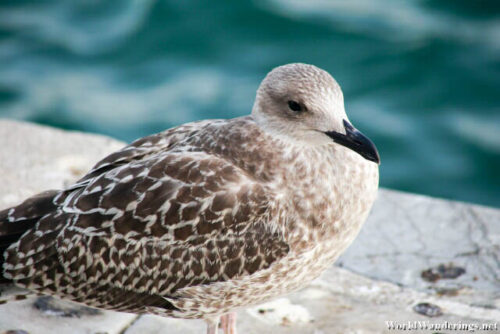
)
(149, 227)
(143, 148)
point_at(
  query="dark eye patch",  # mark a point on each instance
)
(294, 106)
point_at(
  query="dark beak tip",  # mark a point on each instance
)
(356, 141)
(372, 156)
(372, 153)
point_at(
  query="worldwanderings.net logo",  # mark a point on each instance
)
(439, 326)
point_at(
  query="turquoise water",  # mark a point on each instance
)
(421, 78)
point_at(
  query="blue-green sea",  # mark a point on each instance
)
(420, 77)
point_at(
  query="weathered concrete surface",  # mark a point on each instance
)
(24, 315)
(35, 158)
(407, 234)
(380, 280)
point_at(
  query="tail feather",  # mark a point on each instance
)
(32, 208)
(16, 221)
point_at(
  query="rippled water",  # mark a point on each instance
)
(421, 78)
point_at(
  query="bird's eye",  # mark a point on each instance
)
(295, 106)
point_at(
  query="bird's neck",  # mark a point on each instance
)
(332, 189)
(329, 188)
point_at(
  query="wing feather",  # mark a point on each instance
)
(148, 222)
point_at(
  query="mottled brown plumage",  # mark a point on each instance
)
(153, 218)
(202, 218)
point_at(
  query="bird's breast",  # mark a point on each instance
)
(330, 200)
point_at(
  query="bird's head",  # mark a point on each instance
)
(304, 103)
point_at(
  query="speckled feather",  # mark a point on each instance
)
(193, 222)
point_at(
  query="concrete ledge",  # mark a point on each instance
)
(416, 257)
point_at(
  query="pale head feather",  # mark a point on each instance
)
(318, 94)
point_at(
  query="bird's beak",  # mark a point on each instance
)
(356, 141)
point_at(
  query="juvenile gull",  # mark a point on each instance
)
(210, 216)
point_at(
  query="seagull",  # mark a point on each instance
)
(208, 217)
